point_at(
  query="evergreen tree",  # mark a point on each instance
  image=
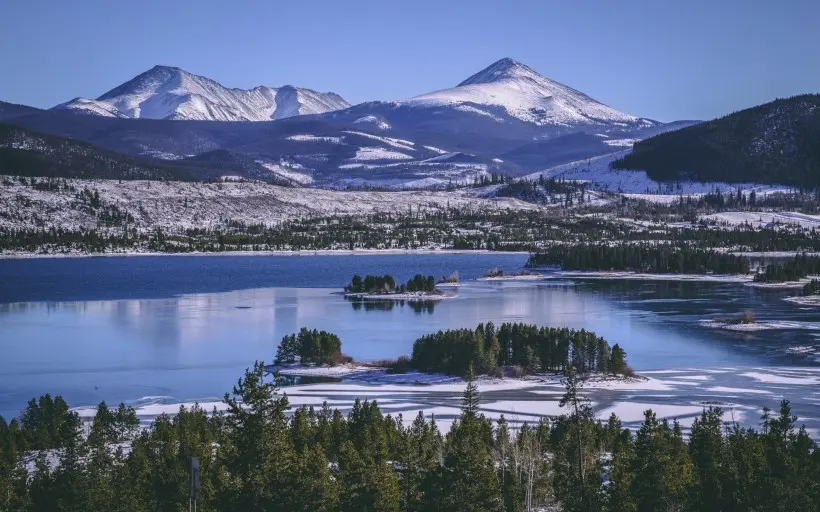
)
(365, 484)
(257, 450)
(663, 474)
(470, 399)
(706, 451)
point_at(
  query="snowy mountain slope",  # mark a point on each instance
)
(175, 206)
(525, 95)
(297, 150)
(172, 93)
(600, 175)
(497, 109)
(506, 118)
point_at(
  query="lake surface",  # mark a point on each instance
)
(186, 327)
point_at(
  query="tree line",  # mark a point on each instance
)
(259, 454)
(120, 230)
(659, 259)
(530, 348)
(794, 269)
(812, 287)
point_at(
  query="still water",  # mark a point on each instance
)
(123, 329)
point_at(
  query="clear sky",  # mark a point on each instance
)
(664, 59)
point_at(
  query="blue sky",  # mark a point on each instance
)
(661, 59)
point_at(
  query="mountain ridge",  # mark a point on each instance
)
(776, 142)
(171, 93)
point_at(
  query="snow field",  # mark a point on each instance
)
(680, 394)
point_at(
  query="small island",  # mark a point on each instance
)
(511, 350)
(384, 287)
(498, 274)
(744, 322)
(451, 280)
(517, 350)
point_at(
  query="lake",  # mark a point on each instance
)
(178, 328)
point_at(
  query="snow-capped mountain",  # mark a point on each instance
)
(505, 102)
(525, 95)
(506, 118)
(172, 93)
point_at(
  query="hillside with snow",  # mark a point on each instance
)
(507, 118)
(525, 95)
(176, 206)
(172, 93)
(598, 172)
(507, 102)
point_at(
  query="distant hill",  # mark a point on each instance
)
(27, 153)
(12, 110)
(778, 142)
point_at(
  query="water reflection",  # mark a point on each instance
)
(418, 306)
(197, 345)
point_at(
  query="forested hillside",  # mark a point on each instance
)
(778, 142)
(27, 153)
(262, 455)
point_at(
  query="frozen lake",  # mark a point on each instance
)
(182, 328)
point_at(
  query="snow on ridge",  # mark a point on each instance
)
(286, 172)
(376, 121)
(396, 143)
(172, 93)
(526, 95)
(435, 150)
(368, 153)
(314, 138)
(636, 184)
(621, 143)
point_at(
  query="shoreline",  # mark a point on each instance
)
(638, 276)
(301, 252)
(514, 277)
(672, 393)
(407, 296)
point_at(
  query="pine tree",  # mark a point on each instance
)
(663, 474)
(470, 399)
(365, 484)
(577, 466)
(618, 495)
(617, 360)
(706, 451)
(257, 451)
(103, 429)
(422, 459)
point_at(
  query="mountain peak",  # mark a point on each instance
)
(168, 92)
(521, 93)
(505, 68)
(161, 67)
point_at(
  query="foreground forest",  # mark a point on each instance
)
(259, 455)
